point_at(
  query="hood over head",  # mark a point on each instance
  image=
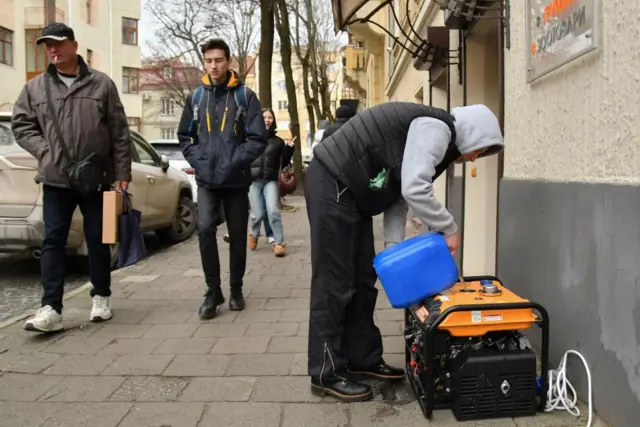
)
(233, 80)
(477, 127)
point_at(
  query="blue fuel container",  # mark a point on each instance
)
(416, 269)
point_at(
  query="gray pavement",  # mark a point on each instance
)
(20, 284)
(155, 364)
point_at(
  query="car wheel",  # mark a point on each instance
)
(184, 223)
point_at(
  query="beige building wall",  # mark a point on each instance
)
(590, 105)
(98, 27)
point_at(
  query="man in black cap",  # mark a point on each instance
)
(343, 114)
(71, 119)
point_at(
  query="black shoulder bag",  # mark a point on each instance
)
(85, 176)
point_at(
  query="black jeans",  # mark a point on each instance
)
(342, 332)
(236, 211)
(58, 205)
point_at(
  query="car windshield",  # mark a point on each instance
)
(171, 150)
(8, 143)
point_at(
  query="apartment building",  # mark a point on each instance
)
(106, 31)
(164, 87)
(555, 217)
(281, 102)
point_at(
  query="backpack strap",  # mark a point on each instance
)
(240, 95)
(195, 106)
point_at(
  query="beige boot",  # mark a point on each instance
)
(279, 250)
(253, 242)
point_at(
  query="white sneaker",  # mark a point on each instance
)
(101, 310)
(271, 240)
(45, 320)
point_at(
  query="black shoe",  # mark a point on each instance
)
(236, 302)
(344, 389)
(226, 238)
(381, 371)
(209, 308)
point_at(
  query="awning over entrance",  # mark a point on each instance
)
(344, 11)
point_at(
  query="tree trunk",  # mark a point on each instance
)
(282, 24)
(312, 48)
(307, 96)
(266, 52)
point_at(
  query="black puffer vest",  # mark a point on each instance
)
(374, 140)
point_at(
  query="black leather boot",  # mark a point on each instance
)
(381, 371)
(209, 308)
(344, 389)
(236, 301)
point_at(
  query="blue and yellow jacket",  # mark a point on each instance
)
(220, 143)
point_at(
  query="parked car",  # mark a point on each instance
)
(171, 149)
(163, 195)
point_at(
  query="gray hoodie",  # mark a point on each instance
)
(427, 141)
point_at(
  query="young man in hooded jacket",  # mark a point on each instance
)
(378, 162)
(221, 133)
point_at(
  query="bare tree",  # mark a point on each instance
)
(283, 26)
(316, 46)
(182, 26)
(265, 55)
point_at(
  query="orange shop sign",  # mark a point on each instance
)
(558, 31)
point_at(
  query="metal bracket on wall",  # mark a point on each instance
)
(464, 14)
(419, 48)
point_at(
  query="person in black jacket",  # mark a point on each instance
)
(263, 194)
(221, 133)
(343, 114)
(380, 161)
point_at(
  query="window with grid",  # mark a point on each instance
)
(36, 54)
(281, 85)
(129, 31)
(168, 107)
(283, 105)
(134, 123)
(6, 46)
(130, 80)
(168, 133)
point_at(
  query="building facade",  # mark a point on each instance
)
(555, 217)
(280, 100)
(164, 86)
(107, 33)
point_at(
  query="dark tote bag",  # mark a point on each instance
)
(132, 247)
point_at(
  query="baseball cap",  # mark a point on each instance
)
(56, 31)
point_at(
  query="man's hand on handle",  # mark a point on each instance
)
(453, 242)
(121, 185)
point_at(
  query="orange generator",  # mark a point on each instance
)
(465, 351)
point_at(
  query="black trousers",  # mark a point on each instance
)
(236, 212)
(342, 332)
(58, 206)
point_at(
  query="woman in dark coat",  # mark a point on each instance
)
(263, 194)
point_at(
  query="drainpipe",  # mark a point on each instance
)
(462, 43)
(49, 11)
(69, 6)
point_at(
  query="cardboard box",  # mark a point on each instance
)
(112, 208)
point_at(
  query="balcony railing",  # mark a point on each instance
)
(37, 17)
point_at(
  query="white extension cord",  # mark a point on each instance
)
(559, 387)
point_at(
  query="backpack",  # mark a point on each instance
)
(240, 96)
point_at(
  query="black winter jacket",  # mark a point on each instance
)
(222, 145)
(276, 156)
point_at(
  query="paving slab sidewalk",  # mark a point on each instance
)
(156, 364)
